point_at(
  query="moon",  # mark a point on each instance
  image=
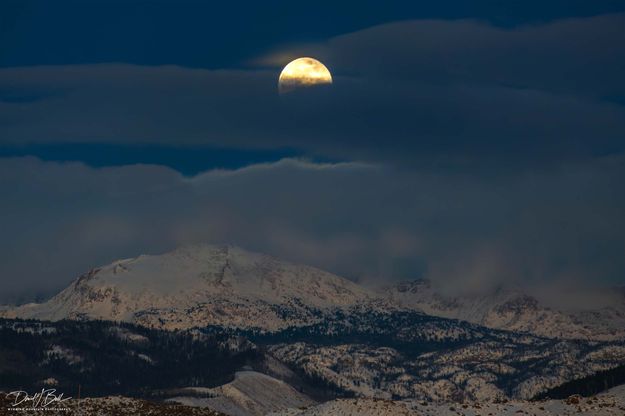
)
(303, 72)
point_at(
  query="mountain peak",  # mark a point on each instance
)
(201, 285)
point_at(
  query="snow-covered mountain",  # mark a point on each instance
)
(227, 286)
(295, 336)
(513, 310)
(199, 286)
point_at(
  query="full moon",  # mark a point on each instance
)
(303, 72)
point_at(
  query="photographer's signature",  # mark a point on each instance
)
(47, 398)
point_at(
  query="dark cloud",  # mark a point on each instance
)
(367, 222)
(427, 93)
(572, 57)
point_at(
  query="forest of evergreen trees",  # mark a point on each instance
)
(587, 386)
(93, 355)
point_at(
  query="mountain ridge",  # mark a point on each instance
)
(510, 309)
(226, 285)
(197, 285)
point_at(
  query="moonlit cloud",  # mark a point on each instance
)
(430, 93)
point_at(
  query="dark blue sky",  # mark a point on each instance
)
(225, 34)
(475, 143)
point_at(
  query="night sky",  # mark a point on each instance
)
(474, 143)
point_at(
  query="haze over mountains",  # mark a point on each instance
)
(225, 285)
(514, 310)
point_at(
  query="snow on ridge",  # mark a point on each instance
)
(249, 394)
(609, 403)
(510, 309)
(200, 285)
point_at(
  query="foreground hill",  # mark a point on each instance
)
(608, 404)
(391, 355)
(611, 403)
(110, 405)
(404, 354)
(249, 394)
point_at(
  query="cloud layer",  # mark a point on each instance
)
(451, 93)
(366, 222)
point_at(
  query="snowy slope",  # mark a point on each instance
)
(606, 404)
(108, 405)
(512, 310)
(355, 407)
(199, 286)
(250, 394)
(225, 285)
